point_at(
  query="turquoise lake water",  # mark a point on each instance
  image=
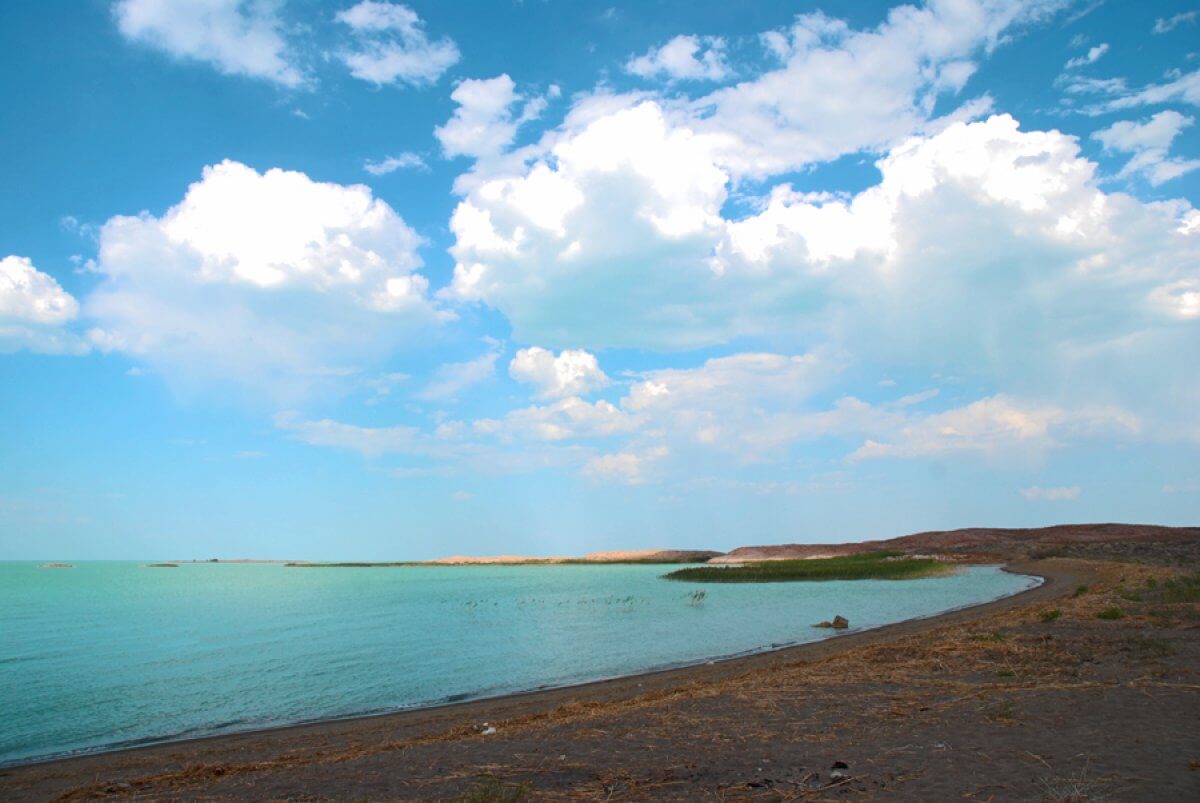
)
(109, 654)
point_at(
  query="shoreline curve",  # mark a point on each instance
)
(1055, 581)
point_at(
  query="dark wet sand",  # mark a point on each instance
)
(989, 703)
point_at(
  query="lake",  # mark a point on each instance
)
(112, 653)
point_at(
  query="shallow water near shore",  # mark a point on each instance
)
(112, 653)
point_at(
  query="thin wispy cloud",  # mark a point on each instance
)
(390, 164)
(1037, 493)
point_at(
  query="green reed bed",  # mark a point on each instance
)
(864, 566)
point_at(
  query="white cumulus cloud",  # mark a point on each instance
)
(267, 280)
(392, 47)
(1079, 282)
(485, 122)
(34, 310)
(683, 58)
(895, 75)
(572, 372)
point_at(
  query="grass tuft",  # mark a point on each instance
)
(1110, 613)
(1179, 589)
(1051, 615)
(1148, 647)
(492, 791)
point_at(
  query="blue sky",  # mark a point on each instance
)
(380, 280)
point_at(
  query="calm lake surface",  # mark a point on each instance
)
(107, 654)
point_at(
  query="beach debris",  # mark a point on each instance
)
(488, 730)
(839, 622)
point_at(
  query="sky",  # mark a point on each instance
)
(371, 280)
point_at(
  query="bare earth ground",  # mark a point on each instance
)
(999, 702)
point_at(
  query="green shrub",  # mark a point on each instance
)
(1110, 613)
(1181, 589)
(1050, 616)
(1080, 591)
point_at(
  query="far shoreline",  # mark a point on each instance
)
(1053, 582)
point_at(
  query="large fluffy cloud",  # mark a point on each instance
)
(235, 36)
(34, 309)
(973, 207)
(983, 250)
(541, 246)
(270, 280)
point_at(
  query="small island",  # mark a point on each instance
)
(57, 566)
(162, 565)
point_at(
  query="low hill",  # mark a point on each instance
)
(973, 539)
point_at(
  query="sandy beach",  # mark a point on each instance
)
(1007, 700)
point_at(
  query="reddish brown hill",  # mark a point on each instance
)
(973, 539)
